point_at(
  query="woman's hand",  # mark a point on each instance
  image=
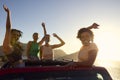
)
(95, 25)
(43, 24)
(6, 8)
(54, 34)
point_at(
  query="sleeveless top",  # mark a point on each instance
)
(34, 49)
(47, 53)
(16, 55)
(83, 53)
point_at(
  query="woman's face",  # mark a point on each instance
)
(85, 38)
(15, 35)
(47, 38)
(35, 37)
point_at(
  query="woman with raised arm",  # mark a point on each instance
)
(88, 51)
(12, 48)
(33, 47)
(47, 49)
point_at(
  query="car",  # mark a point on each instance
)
(54, 70)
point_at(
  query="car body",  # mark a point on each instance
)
(54, 72)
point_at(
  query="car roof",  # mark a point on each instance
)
(52, 66)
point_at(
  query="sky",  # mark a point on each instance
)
(65, 18)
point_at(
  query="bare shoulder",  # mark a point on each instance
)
(30, 42)
(93, 46)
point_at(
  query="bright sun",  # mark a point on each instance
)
(107, 42)
(108, 45)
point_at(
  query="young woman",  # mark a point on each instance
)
(12, 48)
(47, 49)
(88, 51)
(33, 47)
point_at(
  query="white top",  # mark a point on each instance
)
(83, 53)
(47, 53)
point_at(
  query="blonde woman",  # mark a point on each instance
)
(12, 48)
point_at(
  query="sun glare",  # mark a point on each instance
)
(107, 42)
(108, 45)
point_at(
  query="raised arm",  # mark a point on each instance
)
(94, 25)
(6, 43)
(45, 32)
(43, 25)
(57, 45)
(41, 41)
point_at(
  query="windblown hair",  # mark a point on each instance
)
(20, 32)
(85, 30)
(35, 33)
